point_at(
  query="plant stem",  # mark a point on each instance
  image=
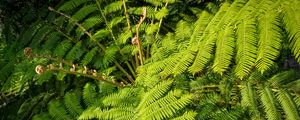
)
(127, 16)
(100, 78)
(160, 22)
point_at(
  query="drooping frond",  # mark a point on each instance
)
(207, 41)
(248, 100)
(57, 110)
(89, 94)
(291, 19)
(288, 105)
(269, 40)
(246, 46)
(72, 103)
(200, 26)
(269, 103)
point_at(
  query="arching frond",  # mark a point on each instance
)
(248, 100)
(269, 41)
(89, 94)
(72, 103)
(269, 102)
(246, 46)
(57, 110)
(207, 41)
(288, 105)
(291, 19)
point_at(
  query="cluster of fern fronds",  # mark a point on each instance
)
(151, 59)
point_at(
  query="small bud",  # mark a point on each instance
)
(50, 66)
(94, 73)
(134, 40)
(39, 69)
(123, 85)
(28, 51)
(113, 81)
(60, 65)
(85, 70)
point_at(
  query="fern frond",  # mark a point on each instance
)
(89, 94)
(291, 19)
(155, 93)
(207, 41)
(88, 24)
(269, 103)
(109, 56)
(246, 46)
(70, 5)
(73, 53)
(84, 11)
(62, 48)
(88, 57)
(72, 103)
(40, 36)
(126, 97)
(184, 62)
(225, 50)
(288, 105)
(249, 100)
(188, 115)
(57, 110)
(89, 113)
(51, 41)
(41, 116)
(28, 34)
(112, 7)
(200, 26)
(116, 21)
(167, 107)
(269, 41)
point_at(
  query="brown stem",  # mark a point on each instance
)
(100, 78)
(127, 16)
(137, 37)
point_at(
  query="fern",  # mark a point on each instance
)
(72, 102)
(89, 94)
(270, 41)
(71, 5)
(269, 103)
(246, 46)
(74, 54)
(89, 56)
(62, 48)
(288, 105)
(57, 110)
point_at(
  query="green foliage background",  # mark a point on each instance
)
(150, 59)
